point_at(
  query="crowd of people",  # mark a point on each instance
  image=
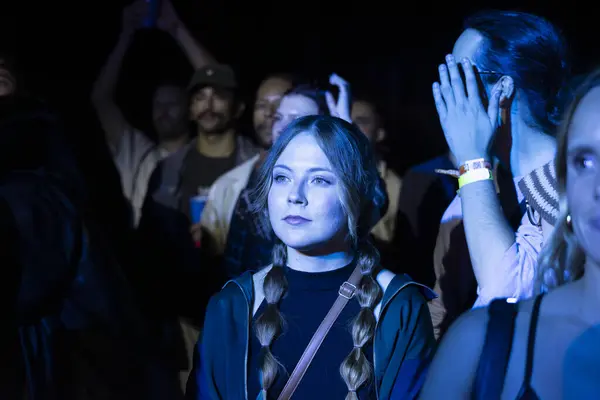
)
(293, 261)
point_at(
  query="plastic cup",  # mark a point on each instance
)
(197, 204)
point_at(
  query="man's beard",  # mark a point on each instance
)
(220, 125)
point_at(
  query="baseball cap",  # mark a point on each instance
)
(217, 75)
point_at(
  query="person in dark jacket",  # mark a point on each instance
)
(73, 330)
(321, 193)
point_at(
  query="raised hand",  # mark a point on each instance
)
(133, 16)
(468, 126)
(342, 108)
(168, 20)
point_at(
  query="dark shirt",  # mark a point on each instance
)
(250, 240)
(199, 172)
(309, 297)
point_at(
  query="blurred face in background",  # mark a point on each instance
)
(169, 112)
(8, 82)
(291, 107)
(268, 97)
(365, 116)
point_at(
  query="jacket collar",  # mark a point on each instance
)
(251, 287)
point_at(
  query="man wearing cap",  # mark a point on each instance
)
(214, 111)
(134, 154)
(164, 229)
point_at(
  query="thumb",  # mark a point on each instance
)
(331, 104)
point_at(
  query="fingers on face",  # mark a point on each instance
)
(456, 81)
(451, 89)
(440, 105)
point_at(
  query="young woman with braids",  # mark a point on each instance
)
(551, 344)
(245, 242)
(320, 191)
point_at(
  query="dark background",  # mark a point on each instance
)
(392, 48)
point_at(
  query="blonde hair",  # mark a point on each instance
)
(562, 259)
(363, 198)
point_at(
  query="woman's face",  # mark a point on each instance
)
(291, 107)
(583, 174)
(304, 203)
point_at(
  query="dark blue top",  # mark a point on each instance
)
(309, 298)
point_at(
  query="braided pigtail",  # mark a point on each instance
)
(356, 369)
(269, 324)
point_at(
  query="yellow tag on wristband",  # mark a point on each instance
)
(474, 175)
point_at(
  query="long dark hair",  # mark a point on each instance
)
(532, 51)
(363, 197)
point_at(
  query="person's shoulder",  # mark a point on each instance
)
(231, 291)
(242, 170)
(401, 286)
(176, 159)
(453, 370)
(474, 322)
(225, 302)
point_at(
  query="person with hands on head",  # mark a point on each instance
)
(514, 67)
(546, 347)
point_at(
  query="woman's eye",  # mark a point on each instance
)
(279, 178)
(584, 161)
(321, 181)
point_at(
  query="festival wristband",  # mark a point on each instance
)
(475, 175)
(471, 165)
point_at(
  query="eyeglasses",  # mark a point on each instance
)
(484, 72)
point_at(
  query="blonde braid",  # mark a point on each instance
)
(270, 323)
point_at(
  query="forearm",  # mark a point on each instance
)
(103, 93)
(197, 54)
(487, 231)
(105, 85)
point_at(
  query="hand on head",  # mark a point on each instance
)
(133, 16)
(341, 108)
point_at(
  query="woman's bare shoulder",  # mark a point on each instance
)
(454, 367)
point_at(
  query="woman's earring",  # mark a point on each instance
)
(569, 222)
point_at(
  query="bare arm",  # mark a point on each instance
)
(195, 52)
(488, 233)
(103, 93)
(453, 370)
